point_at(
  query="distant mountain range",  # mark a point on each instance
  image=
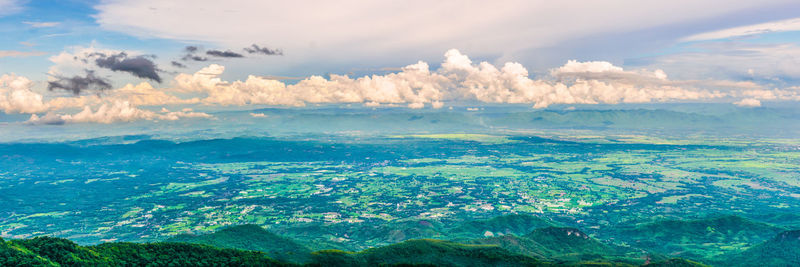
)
(663, 119)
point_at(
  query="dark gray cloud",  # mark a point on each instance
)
(77, 84)
(191, 54)
(255, 49)
(139, 66)
(178, 64)
(218, 53)
(193, 58)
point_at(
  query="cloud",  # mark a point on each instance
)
(218, 53)
(458, 79)
(16, 96)
(8, 7)
(607, 72)
(386, 31)
(177, 64)
(192, 57)
(191, 51)
(118, 67)
(791, 93)
(255, 49)
(118, 105)
(77, 84)
(748, 30)
(42, 24)
(573, 66)
(139, 66)
(734, 60)
(117, 111)
(748, 102)
(144, 94)
(11, 53)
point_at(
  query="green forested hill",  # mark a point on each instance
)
(566, 240)
(15, 255)
(512, 224)
(563, 245)
(251, 245)
(781, 250)
(698, 238)
(251, 237)
(427, 252)
(49, 251)
(676, 263)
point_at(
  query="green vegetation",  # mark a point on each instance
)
(427, 252)
(15, 255)
(781, 250)
(676, 263)
(48, 251)
(251, 237)
(513, 224)
(250, 245)
(563, 245)
(702, 238)
(638, 196)
(566, 240)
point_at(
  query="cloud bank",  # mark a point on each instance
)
(458, 79)
(116, 111)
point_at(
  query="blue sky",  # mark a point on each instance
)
(623, 52)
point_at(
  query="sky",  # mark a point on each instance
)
(119, 61)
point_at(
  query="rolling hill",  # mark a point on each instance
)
(426, 252)
(251, 237)
(50, 251)
(781, 250)
(512, 224)
(702, 238)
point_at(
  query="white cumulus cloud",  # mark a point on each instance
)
(16, 96)
(457, 79)
(111, 112)
(748, 102)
